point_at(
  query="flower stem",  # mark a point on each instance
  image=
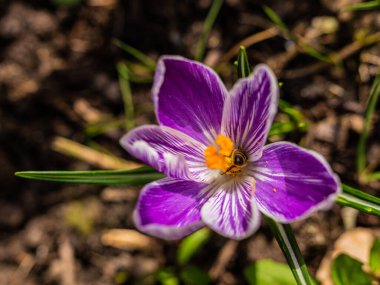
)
(289, 246)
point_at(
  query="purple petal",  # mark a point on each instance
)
(231, 210)
(189, 97)
(249, 111)
(292, 182)
(169, 208)
(169, 151)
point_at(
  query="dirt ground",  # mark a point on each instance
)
(58, 75)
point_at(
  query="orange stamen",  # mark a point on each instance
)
(226, 146)
(218, 156)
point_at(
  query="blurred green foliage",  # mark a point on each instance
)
(269, 272)
(66, 3)
(347, 270)
(190, 245)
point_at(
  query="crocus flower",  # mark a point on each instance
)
(210, 143)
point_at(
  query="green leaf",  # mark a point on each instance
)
(242, 64)
(193, 275)
(373, 176)
(370, 5)
(191, 244)
(346, 270)
(143, 58)
(306, 48)
(374, 257)
(95, 129)
(207, 25)
(66, 3)
(166, 276)
(280, 128)
(243, 68)
(371, 106)
(359, 200)
(289, 246)
(137, 176)
(292, 112)
(126, 94)
(276, 19)
(269, 272)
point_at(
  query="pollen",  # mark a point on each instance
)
(226, 146)
(218, 156)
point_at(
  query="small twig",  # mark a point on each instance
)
(91, 156)
(341, 55)
(26, 265)
(127, 240)
(225, 255)
(249, 41)
(66, 254)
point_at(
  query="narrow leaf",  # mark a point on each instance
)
(276, 19)
(138, 176)
(143, 58)
(207, 25)
(346, 270)
(374, 257)
(371, 105)
(369, 5)
(191, 245)
(305, 47)
(373, 176)
(242, 64)
(243, 68)
(288, 244)
(359, 200)
(126, 94)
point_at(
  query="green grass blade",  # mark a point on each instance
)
(347, 270)
(371, 105)
(95, 129)
(359, 200)
(282, 128)
(306, 48)
(126, 94)
(370, 5)
(207, 25)
(191, 244)
(137, 176)
(295, 115)
(242, 65)
(143, 58)
(315, 53)
(289, 246)
(373, 176)
(276, 19)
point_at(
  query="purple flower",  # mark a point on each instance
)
(210, 145)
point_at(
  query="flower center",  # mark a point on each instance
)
(225, 157)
